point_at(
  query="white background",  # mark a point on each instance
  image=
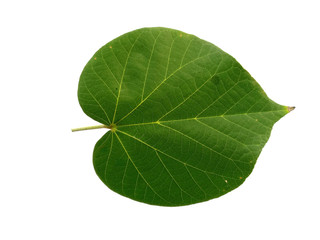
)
(48, 187)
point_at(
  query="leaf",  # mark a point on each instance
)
(187, 121)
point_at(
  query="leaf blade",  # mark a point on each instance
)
(188, 122)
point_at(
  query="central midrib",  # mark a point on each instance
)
(195, 118)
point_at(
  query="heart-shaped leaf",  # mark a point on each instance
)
(187, 121)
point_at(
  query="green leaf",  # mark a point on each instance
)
(187, 121)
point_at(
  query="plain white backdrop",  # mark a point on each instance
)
(48, 187)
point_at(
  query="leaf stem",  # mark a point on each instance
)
(89, 128)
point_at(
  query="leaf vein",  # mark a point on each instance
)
(211, 149)
(228, 136)
(102, 81)
(192, 93)
(85, 84)
(173, 178)
(129, 158)
(201, 189)
(148, 66)
(103, 59)
(123, 72)
(180, 161)
(161, 84)
(106, 166)
(185, 52)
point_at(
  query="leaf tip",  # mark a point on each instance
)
(290, 109)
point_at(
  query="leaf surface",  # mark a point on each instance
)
(188, 122)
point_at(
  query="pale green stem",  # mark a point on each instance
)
(88, 128)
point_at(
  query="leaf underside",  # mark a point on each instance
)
(188, 122)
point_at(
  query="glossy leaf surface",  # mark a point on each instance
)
(188, 122)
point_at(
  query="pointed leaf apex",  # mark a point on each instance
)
(290, 109)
